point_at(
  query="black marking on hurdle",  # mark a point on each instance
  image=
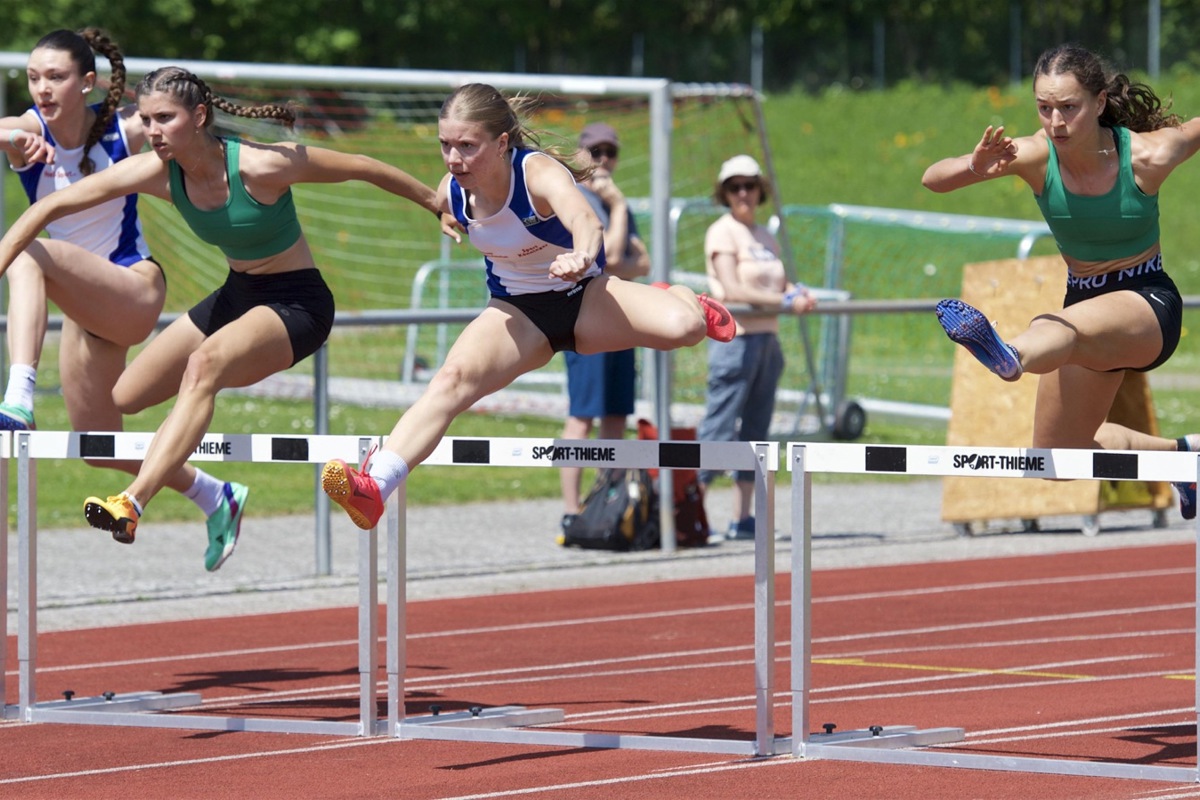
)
(679, 455)
(283, 449)
(97, 446)
(1115, 465)
(471, 451)
(886, 459)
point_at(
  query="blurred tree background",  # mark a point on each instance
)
(775, 44)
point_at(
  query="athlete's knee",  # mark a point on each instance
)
(453, 385)
(1113, 437)
(202, 373)
(688, 327)
(24, 267)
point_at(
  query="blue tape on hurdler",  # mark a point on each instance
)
(471, 451)
(1115, 466)
(886, 459)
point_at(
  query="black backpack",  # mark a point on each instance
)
(619, 513)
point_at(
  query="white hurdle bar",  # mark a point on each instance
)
(129, 708)
(886, 744)
(510, 724)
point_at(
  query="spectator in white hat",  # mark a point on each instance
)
(744, 267)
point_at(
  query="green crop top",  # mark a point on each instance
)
(1121, 223)
(243, 228)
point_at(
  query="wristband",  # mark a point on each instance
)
(790, 296)
(12, 136)
(971, 167)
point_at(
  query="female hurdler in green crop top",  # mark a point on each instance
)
(243, 228)
(1118, 224)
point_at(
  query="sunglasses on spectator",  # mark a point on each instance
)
(733, 187)
(600, 151)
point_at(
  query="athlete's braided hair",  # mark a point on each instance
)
(192, 92)
(82, 47)
(484, 105)
(1128, 104)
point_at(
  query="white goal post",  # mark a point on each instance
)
(647, 141)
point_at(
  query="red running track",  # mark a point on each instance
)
(1085, 656)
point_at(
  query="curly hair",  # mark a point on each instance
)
(485, 106)
(82, 46)
(192, 92)
(1128, 104)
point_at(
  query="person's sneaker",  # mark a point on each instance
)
(966, 326)
(15, 418)
(564, 525)
(1187, 499)
(116, 515)
(717, 319)
(354, 491)
(224, 525)
(742, 530)
(1187, 491)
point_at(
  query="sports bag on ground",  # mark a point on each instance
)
(619, 513)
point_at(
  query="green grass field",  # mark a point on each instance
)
(866, 148)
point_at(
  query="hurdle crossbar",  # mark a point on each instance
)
(133, 709)
(894, 746)
(510, 724)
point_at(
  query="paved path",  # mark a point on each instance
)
(87, 580)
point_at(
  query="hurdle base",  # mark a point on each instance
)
(135, 709)
(1000, 763)
(887, 738)
(510, 725)
(491, 718)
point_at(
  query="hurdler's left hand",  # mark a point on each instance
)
(570, 266)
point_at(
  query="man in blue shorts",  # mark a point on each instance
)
(602, 386)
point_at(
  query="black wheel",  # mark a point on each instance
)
(849, 421)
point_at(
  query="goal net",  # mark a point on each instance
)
(378, 251)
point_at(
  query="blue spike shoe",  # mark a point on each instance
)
(966, 326)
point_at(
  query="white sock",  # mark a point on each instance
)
(388, 470)
(206, 492)
(136, 505)
(21, 380)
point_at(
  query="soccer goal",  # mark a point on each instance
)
(372, 246)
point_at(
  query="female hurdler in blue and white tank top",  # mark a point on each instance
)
(111, 229)
(517, 243)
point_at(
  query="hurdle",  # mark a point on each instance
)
(892, 745)
(135, 708)
(516, 724)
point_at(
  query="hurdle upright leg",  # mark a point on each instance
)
(368, 620)
(26, 577)
(764, 602)
(397, 610)
(801, 629)
(6, 711)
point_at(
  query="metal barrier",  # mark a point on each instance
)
(133, 708)
(507, 723)
(892, 745)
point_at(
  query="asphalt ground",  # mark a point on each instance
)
(87, 580)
